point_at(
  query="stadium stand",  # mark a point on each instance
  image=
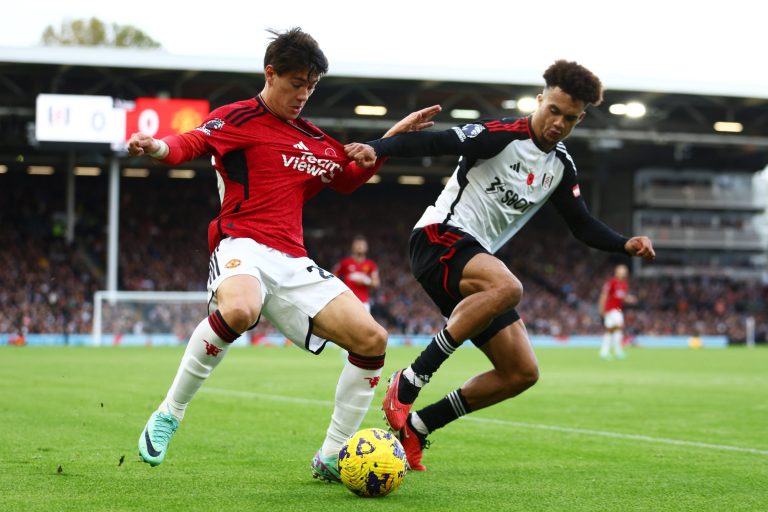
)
(163, 236)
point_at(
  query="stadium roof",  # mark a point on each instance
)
(512, 74)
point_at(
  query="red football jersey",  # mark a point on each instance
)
(348, 266)
(268, 168)
(616, 292)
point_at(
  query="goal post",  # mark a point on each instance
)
(143, 314)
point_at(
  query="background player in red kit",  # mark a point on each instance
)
(359, 273)
(268, 163)
(614, 294)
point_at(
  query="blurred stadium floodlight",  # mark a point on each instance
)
(633, 109)
(527, 104)
(465, 113)
(134, 172)
(728, 126)
(371, 110)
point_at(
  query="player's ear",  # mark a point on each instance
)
(269, 74)
(581, 117)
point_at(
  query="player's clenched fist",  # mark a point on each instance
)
(640, 246)
(362, 154)
(142, 144)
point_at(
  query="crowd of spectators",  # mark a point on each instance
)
(47, 285)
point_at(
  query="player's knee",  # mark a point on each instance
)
(530, 376)
(372, 341)
(509, 292)
(240, 316)
(522, 379)
(527, 377)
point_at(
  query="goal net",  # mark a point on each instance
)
(146, 318)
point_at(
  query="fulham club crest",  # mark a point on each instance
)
(546, 181)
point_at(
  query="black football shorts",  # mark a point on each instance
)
(438, 254)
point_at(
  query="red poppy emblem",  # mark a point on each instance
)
(530, 179)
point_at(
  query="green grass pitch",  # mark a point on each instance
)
(663, 430)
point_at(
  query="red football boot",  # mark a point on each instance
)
(413, 444)
(395, 412)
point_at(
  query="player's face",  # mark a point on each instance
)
(287, 94)
(621, 272)
(557, 116)
(360, 247)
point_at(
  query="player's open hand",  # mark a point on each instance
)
(362, 154)
(142, 144)
(415, 121)
(641, 247)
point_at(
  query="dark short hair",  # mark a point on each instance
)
(295, 50)
(576, 80)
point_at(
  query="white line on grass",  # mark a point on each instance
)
(517, 424)
(617, 435)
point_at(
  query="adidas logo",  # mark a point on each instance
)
(301, 146)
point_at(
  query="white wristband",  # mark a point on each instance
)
(162, 152)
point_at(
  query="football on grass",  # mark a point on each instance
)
(372, 463)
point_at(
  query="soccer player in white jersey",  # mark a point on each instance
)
(507, 169)
(269, 162)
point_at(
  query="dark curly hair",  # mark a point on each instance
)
(576, 80)
(295, 50)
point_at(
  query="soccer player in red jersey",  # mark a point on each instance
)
(614, 294)
(359, 273)
(269, 162)
(508, 168)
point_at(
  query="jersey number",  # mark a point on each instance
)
(323, 273)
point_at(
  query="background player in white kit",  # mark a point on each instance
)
(610, 305)
(269, 161)
(508, 168)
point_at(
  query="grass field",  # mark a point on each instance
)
(663, 430)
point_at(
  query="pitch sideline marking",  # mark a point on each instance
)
(518, 424)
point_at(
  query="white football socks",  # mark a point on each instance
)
(618, 338)
(204, 352)
(605, 349)
(354, 393)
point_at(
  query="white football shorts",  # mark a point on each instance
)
(614, 319)
(293, 290)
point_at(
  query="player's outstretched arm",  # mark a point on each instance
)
(142, 144)
(641, 247)
(415, 121)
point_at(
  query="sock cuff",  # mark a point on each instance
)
(449, 338)
(366, 362)
(458, 403)
(445, 342)
(220, 327)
